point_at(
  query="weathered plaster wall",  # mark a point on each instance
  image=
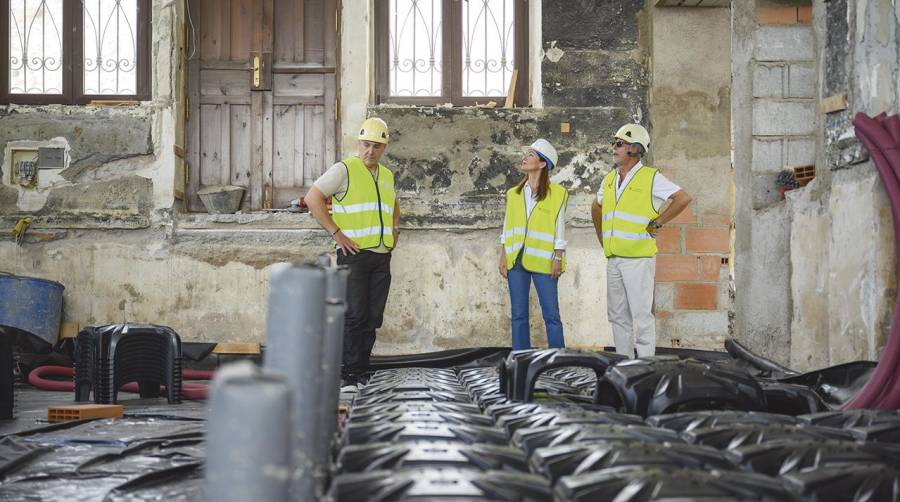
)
(831, 302)
(125, 254)
(690, 101)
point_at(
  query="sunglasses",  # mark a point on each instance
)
(619, 143)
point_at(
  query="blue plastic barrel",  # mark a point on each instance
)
(31, 304)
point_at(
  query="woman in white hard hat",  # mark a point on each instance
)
(533, 244)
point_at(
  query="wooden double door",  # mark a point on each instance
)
(261, 97)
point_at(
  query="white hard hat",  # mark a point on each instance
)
(546, 151)
(634, 133)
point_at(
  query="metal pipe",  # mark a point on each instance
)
(248, 455)
(294, 332)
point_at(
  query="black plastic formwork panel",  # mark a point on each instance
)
(422, 454)
(846, 483)
(563, 418)
(413, 396)
(410, 406)
(425, 416)
(666, 384)
(555, 462)
(737, 435)
(686, 421)
(640, 484)
(439, 484)
(372, 432)
(532, 439)
(775, 458)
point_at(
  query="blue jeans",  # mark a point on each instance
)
(519, 287)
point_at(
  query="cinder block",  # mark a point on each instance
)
(783, 118)
(784, 43)
(696, 296)
(768, 81)
(802, 80)
(800, 152)
(765, 192)
(767, 155)
(671, 267)
(663, 295)
(707, 240)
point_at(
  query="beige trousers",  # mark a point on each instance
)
(629, 296)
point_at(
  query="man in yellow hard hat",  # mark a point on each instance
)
(364, 226)
(626, 214)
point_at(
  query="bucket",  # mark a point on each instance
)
(221, 199)
(31, 304)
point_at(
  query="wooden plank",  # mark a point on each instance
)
(268, 148)
(314, 32)
(331, 26)
(834, 103)
(240, 147)
(283, 137)
(68, 329)
(331, 122)
(255, 194)
(299, 178)
(226, 100)
(224, 82)
(193, 119)
(225, 149)
(236, 348)
(299, 85)
(314, 148)
(511, 92)
(288, 36)
(210, 144)
(210, 29)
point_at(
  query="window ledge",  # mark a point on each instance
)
(281, 220)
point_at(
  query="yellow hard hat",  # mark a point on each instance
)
(634, 133)
(374, 129)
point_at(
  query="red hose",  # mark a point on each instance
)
(189, 390)
(881, 137)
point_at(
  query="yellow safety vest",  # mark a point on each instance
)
(625, 219)
(366, 212)
(535, 233)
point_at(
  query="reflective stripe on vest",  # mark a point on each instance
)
(365, 213)
(625, 219)
(535, 233)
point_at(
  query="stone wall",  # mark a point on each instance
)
(690, 96)
(112, 231)
(815, 272)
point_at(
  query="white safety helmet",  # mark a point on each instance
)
(634, 133)
(545, 151)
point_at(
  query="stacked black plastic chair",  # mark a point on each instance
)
(107, 357)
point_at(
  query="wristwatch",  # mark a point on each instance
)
(557, 258)
(655, 224)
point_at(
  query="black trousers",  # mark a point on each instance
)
(367, 292)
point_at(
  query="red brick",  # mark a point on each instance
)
(707, 240)
(671, 267)
(776, 15)
(668, 239)
(695, 296)
(715, 218)
(686, 216)
(710, 265)
(663, 314)
(804, 14)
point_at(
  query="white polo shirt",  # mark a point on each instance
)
(662, 187)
